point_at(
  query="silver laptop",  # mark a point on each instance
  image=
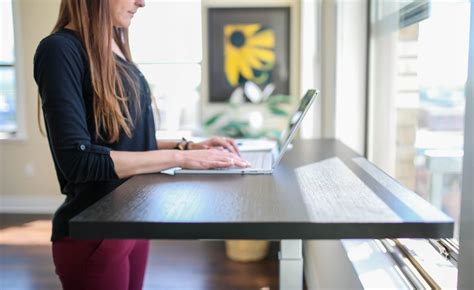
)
(263, 162)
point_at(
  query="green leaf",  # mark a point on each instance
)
(274, 134)
(238, 124)
(277, 111)
(236, 129)
(279, 99)
(256, 135)
(213, 119)
(231, 132)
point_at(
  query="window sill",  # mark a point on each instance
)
(375, 267)
(15, 137)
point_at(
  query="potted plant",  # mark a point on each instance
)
(240, 121)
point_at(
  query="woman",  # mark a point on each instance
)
(99, 122)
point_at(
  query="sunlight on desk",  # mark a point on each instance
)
(329, 184)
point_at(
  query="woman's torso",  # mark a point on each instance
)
(80, 195)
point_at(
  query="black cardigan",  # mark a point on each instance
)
(83, 165)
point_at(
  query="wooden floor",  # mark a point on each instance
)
(26, 263)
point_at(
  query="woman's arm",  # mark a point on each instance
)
(215, 142)
(132, 163)
(166, 144)
(59, 70)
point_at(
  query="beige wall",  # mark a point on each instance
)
(26, 170)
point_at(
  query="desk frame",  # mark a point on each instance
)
(291, 264)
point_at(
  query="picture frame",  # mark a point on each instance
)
(215, 87)
(248, 44)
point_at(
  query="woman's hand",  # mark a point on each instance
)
(228, 144)
(210, 158)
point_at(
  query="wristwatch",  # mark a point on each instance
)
(183, 144)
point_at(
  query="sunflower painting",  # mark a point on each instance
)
(247, 45)
(248, 52)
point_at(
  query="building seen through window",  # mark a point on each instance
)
(432, 63)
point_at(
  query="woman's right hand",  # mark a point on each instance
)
(210, 158)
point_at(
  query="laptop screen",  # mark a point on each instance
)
(294, 122)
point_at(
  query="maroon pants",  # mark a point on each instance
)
(100, 264)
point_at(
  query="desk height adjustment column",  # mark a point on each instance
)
(291, 264)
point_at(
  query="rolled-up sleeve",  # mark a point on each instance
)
(59, 71)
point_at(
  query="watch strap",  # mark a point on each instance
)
(183, 144)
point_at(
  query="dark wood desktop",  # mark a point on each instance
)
(302, 199)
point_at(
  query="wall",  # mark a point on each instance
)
(351, 71)
(382, 60)
(327, 10)
(27, 178)
(310, 65)
(341, 72)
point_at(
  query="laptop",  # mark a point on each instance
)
(263, 162)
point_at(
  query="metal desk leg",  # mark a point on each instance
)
(291, 264)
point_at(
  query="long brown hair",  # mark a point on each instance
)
(93, 23)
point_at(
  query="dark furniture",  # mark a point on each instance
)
(321, 190)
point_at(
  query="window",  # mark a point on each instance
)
(417, 84)
(434, 92)
(165, 40)
(421, 94)
(8, 101)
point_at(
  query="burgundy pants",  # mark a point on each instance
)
(100, 264)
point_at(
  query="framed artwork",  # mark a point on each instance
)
(247, 46)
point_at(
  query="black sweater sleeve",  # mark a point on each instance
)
(59, 70)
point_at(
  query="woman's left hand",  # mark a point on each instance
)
(223, 143)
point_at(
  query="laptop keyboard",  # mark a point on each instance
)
(258, 159)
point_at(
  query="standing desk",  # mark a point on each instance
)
(320, 190)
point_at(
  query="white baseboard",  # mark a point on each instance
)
(30, 204)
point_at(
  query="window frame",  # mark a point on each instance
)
(466, 231)
(20, 83)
